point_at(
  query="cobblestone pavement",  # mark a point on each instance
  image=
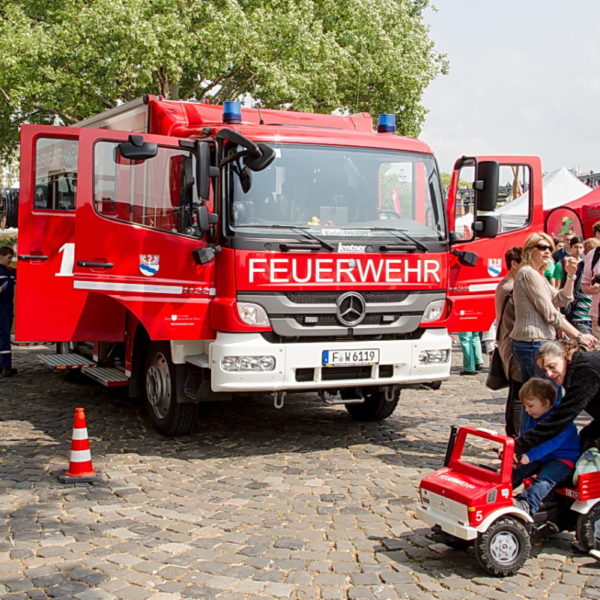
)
(257, 503)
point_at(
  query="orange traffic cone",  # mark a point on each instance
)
(80, 464)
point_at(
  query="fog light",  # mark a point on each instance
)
(433, 356)
(248, 363)
(252, 314)
(434, 311)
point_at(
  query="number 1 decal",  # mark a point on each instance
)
(67, 261)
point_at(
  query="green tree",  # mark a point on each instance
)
(64, 60)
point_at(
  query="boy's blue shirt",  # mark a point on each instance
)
(564, 446)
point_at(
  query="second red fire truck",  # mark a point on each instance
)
(192, 252)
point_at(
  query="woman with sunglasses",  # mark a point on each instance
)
(537, 303)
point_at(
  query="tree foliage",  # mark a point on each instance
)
(64, 60)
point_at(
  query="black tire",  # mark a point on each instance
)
(170, 417)
(375, 407)
(504, 547)
(588, 529)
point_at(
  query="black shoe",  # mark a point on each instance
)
(479, 366)
(468, 373)
(8, 372)
(522, 504)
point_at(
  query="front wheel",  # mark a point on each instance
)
(504, 547)
(161, 379)
(378, 404)
(588, 529)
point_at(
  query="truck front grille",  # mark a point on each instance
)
(308, 316)
(439, 503)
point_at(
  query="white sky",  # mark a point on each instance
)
(524, 79)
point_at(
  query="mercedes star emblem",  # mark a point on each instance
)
(351, 309)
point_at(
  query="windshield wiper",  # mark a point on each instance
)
(301, 230)
(400, 234)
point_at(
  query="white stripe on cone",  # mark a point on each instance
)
(80, 434)
(80, 456)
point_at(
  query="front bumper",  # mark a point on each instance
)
(433, 517)
(299, 366)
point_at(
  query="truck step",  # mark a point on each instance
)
(107, 376)
(65, 361)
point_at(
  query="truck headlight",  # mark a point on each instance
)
(248, 363)
(434, 311)
(434, 356)
(252, 314)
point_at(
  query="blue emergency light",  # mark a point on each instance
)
(386, 123)
(232, 112)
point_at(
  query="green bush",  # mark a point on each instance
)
(8, 241)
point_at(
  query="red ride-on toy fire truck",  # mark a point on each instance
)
(469, 502)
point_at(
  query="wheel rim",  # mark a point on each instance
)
(158, 385)
(504, 547)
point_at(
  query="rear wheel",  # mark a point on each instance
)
(588, 529)
(161, 379)
(377, 404)
(504, 547)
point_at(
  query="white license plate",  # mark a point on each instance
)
(347, 358)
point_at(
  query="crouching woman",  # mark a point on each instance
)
(579, 374)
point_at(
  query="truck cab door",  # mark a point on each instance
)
(476, 264)
(46, 303)
(136, 237)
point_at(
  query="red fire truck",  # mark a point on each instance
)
(191, 252)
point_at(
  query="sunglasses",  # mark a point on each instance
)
(542, 247)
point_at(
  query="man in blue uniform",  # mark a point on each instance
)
(7, 293)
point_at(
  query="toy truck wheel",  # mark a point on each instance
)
(588, 529)
(504, 547)
(169, 416)
(375, 407)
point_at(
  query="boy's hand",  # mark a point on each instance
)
(525, 459)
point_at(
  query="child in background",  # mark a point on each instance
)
(470, 344)
(554, 460)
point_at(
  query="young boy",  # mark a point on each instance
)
(554, 460)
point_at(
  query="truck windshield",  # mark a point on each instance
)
(341, 192)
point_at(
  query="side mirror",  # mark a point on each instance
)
(204, 218)
(486, 227)
(137, 149)
(204, 171)
(263, 161)
(486, 185)
(257, 156)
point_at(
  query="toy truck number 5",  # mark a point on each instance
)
(469, 502)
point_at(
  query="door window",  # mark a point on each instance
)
(157, 192)
(55, 174)
(513, 209)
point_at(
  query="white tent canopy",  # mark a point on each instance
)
(558, 187)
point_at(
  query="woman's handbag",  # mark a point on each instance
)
(497, 379)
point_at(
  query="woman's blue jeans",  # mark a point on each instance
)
(549, 475)
(525, 353)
